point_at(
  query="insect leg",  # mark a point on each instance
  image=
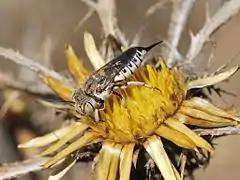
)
(96, 115)
(121, 97)
(124, 85)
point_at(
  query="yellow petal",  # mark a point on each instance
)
(92, 52)
(74, 66)
(162, 64)
(83, 141)
(48, 138)
(61, 169)
(205, 123)
(104, 162)
(126, 161)
(154, 147)
(63, 91)
(208, 81)
(201, 113)
(200, 142)
(198, 114)
(175, 136)
(76, 129)
(203, 105)
(114, 162)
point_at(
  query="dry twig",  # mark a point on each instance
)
(155, 7)
(228, 10)
(183, 164)
(85, 18)
(179, 17)
(218, 131)
(106, 11)
(30, 64)
(13, 170)
(6, 81)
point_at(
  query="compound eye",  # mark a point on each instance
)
(99, 90)
(88, 108)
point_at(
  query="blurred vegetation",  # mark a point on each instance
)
(40, 31)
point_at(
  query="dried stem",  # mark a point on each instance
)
(218, 131)
(155, 7)
(179, 17)
(85, 18)
(13, 170)
(137, 37)
(6, 81)
(106, 11)
(183, 164)
(30, 64)
(228, 10)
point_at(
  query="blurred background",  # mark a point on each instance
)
(41, 29)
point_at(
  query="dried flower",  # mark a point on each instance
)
(148, 117)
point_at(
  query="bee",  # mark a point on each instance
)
(100, 85)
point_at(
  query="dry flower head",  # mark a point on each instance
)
(148, 117)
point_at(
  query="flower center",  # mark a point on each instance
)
(146, 109)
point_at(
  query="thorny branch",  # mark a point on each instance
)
(13, 170)
(228, 10)
(6, 81)
(179, 17)
(218, 131)
(106, 11)
(85, 18)
(155, 7)
(16, 169)
(30, 64)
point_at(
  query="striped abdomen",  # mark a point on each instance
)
(131, 66)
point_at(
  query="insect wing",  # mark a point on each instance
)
(103, 77)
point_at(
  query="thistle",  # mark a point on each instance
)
(146, 119)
